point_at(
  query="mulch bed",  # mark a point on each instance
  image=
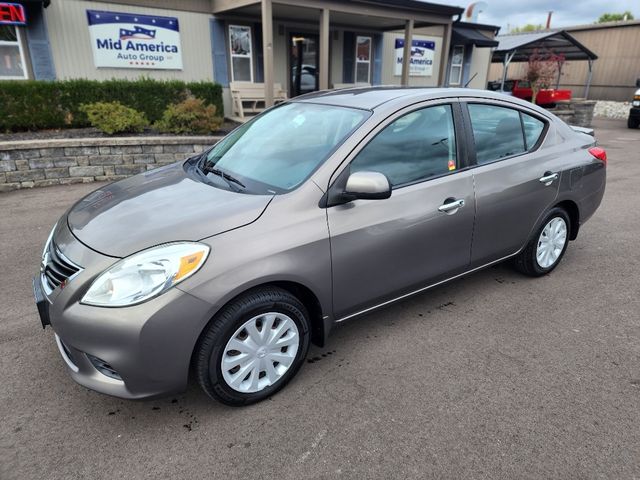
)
(227, 126)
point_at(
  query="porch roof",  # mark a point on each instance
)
(374, 15)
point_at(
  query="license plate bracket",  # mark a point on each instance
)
(41, 302)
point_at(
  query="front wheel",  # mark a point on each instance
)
(547, 246)
(253, 346)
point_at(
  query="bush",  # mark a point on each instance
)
(36, 105)
(189, 116)
(113, 117)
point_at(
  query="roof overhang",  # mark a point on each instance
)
(466, 35)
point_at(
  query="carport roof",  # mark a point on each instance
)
(522, 45)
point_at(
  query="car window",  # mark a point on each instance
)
(532, 129)
(497, 132)
(416, 146)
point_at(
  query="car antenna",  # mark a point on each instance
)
(470, 80)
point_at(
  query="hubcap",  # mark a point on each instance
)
(551, 242)
(260, 352)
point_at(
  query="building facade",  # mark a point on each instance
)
(299, 45)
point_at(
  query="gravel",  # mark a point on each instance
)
(609, 109)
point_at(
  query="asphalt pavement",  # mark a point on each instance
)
(495, 375)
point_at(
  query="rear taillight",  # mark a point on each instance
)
(599, 153)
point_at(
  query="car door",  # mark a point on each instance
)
(383, 249)
(515, 181)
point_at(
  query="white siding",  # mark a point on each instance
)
(480, 65)
(71, 43)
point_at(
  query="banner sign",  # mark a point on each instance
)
(125, 40)
(12, 14)
(421, 61)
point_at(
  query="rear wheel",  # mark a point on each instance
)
(253, 347)
(547, 246)
(633, 122)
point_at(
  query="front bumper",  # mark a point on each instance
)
(132, 352)
(634, 112)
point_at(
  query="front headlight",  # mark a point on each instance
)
(146, 274)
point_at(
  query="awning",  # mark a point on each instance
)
(471, 36)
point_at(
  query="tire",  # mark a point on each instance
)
(249, 316)
(527, 261)
(633, 122)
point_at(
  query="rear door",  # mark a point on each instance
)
(382, 249)
(515, 181)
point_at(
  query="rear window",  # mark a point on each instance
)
(497, 132)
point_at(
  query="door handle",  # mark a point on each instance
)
(451, 206)
(548, 178)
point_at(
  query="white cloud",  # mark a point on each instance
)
(510, 14)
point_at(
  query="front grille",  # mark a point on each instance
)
(57, 269)
(103, 367)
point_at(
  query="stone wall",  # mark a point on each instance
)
(42, 163)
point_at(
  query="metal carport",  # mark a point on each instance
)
(518, 48)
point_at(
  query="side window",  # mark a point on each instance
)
(532, 129)
(497, 132)
(416, 146)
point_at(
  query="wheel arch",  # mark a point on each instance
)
(573, 211)
(320, 321)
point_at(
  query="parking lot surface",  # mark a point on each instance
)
(495, 375)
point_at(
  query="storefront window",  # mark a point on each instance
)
(457, 57)
(241, 53)
(11, 55)
(363, 59)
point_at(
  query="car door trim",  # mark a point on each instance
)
(401, 297)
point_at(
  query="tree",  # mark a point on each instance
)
(529, 27)
(615, 17)
(542, 68)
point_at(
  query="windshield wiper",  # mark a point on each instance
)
(207, 168)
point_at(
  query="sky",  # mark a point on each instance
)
(513, 13)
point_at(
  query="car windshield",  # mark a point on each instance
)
(281, 148)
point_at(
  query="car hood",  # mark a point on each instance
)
(159, 206)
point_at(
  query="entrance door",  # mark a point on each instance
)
(303, 63)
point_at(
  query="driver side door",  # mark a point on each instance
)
(384, 249)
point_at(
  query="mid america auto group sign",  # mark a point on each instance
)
(125, 40)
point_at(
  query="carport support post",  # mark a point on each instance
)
(586, 88)
(323, 81)
(267, 51)
(445, 57)
(505, 67)
(406, 53)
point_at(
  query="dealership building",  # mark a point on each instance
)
(280, 47)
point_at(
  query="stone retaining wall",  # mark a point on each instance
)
(42, 163)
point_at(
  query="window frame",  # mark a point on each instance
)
(368, 62)
(232, 55)
(342, 172)
(470, 140)
(19, 44)
(461, 65)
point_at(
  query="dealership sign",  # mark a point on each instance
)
(12, 14)
(421, 60)
(125, 40)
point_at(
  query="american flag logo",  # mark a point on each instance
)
(138, 33)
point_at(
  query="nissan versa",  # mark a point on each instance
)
(230, 263)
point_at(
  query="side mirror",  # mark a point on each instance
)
(368, 185)
(638, 82)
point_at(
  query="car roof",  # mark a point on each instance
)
(370, 98)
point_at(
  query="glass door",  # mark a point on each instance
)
(303, 63)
